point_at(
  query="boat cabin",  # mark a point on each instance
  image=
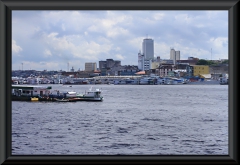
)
(93, 94)
(26, 90)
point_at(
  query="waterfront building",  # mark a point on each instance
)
(166, 61)
(109, 63)
(147, 64)
(121, 70)
(164, 69)
(90, 66)
(197, 70)
(189, 61)
(128, 70)
(217, 70)
(155, 65)
(200, 69)
(140, 61)
(181, 66)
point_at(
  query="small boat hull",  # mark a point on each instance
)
(88, 99)
(65, 100)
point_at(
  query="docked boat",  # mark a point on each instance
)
(90, 96)
(223, 81)
(144, 81)
(62, 100)
(65, 100)
(34, 99)
(30, 90)
(42, 93)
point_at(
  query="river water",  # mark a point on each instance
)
(132, 120)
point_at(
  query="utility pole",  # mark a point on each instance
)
(211, 54)
(22, 66)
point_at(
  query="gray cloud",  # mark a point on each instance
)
(51, 39)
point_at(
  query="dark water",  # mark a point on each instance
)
(132, 119)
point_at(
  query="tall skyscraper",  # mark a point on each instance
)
(172, 54)
(148, 48)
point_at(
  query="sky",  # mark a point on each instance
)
(62, 39)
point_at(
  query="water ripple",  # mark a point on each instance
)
(174, 120)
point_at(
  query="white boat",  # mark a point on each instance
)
(71, 94)
(144, 81)
(223, 81)
(90, 96)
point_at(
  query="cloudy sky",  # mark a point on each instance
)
(53, 39)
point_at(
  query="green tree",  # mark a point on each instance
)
(202, 62)
(205, 62)
(211, 62)
(225, 62)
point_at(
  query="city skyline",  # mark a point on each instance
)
(57, 40)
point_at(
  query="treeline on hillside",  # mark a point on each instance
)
(209, 62)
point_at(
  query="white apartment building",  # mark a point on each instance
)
(147, 64)
(140, 61)
(174, 55)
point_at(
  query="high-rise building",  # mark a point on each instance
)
(90, 66)
(174, 55)
(109, 63)
(177, 55)
(148, 48)
(102, 64)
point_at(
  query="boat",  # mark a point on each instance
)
(29, 92)
(34, 99)
(144, 81)
(223, 81)
(70, 94)
(89, 96)
(62, 100)
(65, 100)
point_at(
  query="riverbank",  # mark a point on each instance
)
(206, 82)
